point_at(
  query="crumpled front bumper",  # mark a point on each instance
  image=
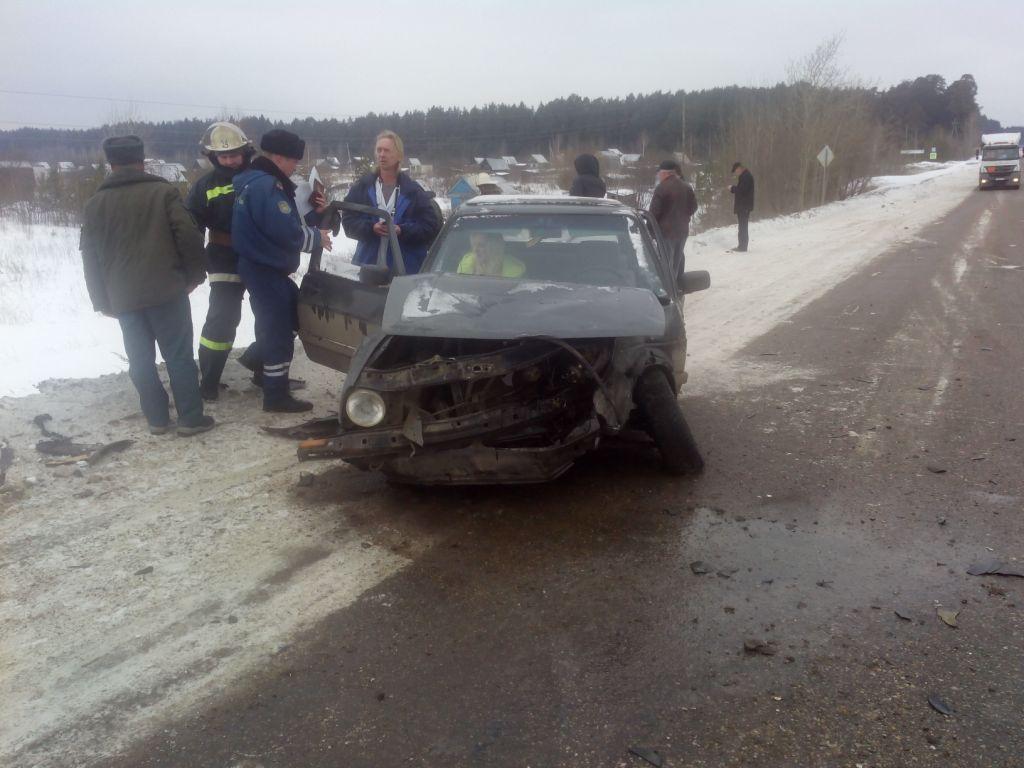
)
(478, 464)
(452, 451)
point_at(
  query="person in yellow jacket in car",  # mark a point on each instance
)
(488, 257)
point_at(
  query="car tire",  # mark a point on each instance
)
(666, 424)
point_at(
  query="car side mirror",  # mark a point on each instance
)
(691, 282)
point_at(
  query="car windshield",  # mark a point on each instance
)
(592, 249)
(1000, 153)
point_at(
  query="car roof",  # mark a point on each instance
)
(544, 204)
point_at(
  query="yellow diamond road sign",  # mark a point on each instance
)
(825, 156)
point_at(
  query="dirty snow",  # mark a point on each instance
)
(139, 587)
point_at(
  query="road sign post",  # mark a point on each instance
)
(825, 157)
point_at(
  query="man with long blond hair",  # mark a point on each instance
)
(410, 205)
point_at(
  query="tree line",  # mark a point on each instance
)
(920, 111)
(776, 130)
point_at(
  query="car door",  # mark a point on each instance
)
(674, 341)
(336, 312)
(661, 251)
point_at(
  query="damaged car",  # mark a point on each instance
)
(538, 326)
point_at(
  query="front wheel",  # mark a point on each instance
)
(666, 424)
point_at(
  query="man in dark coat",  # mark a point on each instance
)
(143, 256)
(672, 206)
(743, 203)
(588, 181)
(211, 201)
(411, 207)
(268, 234)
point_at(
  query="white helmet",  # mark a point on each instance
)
(224, 137)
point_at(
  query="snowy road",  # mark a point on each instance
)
(180, 572)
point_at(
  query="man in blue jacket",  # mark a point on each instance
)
(411, 207)
(268, 234)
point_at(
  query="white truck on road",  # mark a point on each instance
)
(1000, 161)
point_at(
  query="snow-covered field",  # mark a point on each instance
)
(48, 329)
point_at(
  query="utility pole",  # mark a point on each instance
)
(682, 145)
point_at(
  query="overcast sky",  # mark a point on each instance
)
(342, 58)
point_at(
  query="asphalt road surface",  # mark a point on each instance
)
(780, 610)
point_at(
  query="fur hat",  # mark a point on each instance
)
(124, 150)
(284, 143)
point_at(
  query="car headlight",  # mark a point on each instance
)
(365, 408)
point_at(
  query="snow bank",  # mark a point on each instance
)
(795, 259)
(931, 171)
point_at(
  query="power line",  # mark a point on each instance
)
(174, 104)
(47, 126)
(445, 140)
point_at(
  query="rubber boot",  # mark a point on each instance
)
(211, 366)
(251, 359)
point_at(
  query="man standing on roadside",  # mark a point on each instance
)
(743, 204)
(410, 205)
(268, 234)
(143, 256)
(211, 201)
(672, 206)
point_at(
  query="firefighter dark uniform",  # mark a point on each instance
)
(268, 235)
(211, 201)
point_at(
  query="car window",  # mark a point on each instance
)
(601, 249)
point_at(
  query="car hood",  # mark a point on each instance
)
(473, 307)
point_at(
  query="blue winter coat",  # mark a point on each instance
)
(414, 213)
(265, 224)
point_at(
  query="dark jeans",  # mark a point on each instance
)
(744, 219)
(677, 259)
(677, 255)
(170, 326)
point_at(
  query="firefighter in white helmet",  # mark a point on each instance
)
(211, 200)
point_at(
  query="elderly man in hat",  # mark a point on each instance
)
(672, 206)
(268, 234)
(143, 256)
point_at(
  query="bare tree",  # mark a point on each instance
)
(779, 131)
